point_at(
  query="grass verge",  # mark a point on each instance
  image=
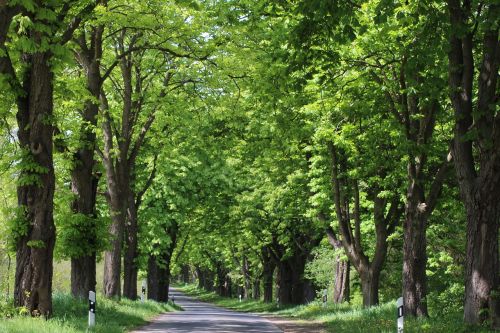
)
(343, 318)
(71, 315)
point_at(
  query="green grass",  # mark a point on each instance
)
(343, 318)
(71, 315)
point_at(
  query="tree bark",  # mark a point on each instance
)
(159, 268)
(158, 279)
(256, 289)
(83, 180)
(34, 250)
(130, 268)
(268, 266)
(341, 284)
(477, 158)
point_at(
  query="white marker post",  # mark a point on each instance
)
(143, 292)
(91, 309)
(325, 297)
(240, 298)
(400, 315)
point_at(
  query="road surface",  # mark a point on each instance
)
(200, 317)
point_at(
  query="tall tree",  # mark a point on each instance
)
(476, 149)
(52, 27)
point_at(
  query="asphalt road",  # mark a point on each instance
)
(203, 317)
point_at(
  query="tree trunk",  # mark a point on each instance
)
(112, 257)
(247, 290)
(83, 181)
(185, 274)
(477, 157)
(341, 288)
(415, 254)
(158, 279)
(298, 264)
(268, 266)
(256, 289)
(130, 268)
(34, 250)
(369, 287)
(285, 283)
(159, 269)
(482, 280)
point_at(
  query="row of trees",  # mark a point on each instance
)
(245, 142)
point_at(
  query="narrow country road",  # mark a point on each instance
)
(200, 317)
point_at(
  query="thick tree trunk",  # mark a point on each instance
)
(482, 280)
(256, 289)
(159, 269)
(268, 267)
(158, 279)
(267, 281)
(369, 287)
(223, 281)
(285, 283)
(291, 280)
(185, 274)
(112, 257)
(83, 181)
(477, 157)
(130, 268)
(33, 283)
(84, 185)
(341, 288)
(415, 254)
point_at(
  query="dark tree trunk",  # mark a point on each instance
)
(341, 284)
(267, 275)
(256, 289)
(477, 157)
(290, 281)
(415, 256)
(34, 250)
(369, 287)
(158, 280)
(482, 279)
(185, 274)
(112, 257)
(223, 284)
(83, 180)
(130, 268)
(159, 269)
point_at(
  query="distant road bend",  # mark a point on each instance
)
(200, 317)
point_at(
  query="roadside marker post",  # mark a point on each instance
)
(325, 297)
(143, 293)
(91, 309)
(240, 298)
(400, 315)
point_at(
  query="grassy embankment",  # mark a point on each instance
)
(71, 315)
(342, 318)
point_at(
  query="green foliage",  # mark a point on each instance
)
(16, 225)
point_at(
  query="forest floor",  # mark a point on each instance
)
(343, 318)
